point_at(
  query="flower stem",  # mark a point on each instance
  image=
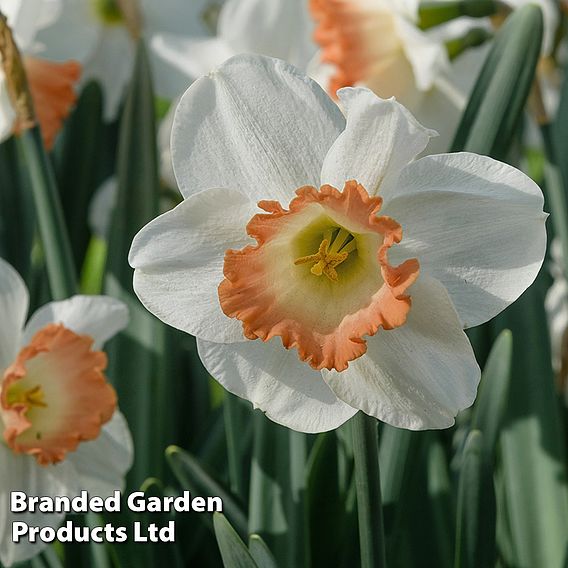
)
(52, 229)
(367, 480)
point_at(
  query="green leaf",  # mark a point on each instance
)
(77, 158)
(277, 508)
(490, 405)
(234, 552)
(368, 483)
(498, 98)
(475, 523)
(53, 232)
(397, 456)
(261, 553)
(424, 517)
(555, 191)
(441, 499)
(17, 215)
(194, 478)
(232, 415)
(135, 354)
(326, 500)
(532, 449)
(161, 553)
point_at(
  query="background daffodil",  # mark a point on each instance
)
(61, 431)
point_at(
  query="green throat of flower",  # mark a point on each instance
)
(31, 397)
(333, 250)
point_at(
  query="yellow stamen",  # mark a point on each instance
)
(329, 257)
(32, 397)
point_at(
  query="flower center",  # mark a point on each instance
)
(329, 257)
(270, 288)
(31, 397)
(54, 395)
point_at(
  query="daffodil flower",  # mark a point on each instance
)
(96, 33)
(378, 44)
(60, 430)
(322, 270)
(52, 84)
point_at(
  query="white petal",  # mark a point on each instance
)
(254, 124)
(178, 260)
(279, 28)
(49, 13)
(73, 35)
(273, 379)
(14, 301)
(164, 148)
(426, 54)
(406, 8)
(474, 224)
(417, 376)
(178, 60)
(103, 463)
(380, 138)
(25, 19)
(22, 473)
(101, 317)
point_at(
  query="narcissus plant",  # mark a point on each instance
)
(322, 268)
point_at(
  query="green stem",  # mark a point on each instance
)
(367, 479)
(52, 229)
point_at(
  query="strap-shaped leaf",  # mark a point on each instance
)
(234, 552)
(134, 355)
(500, 93)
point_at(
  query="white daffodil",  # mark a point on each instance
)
(96, 33)
(51, 84)
(321, 269)
(377, 44)
(60, 430)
